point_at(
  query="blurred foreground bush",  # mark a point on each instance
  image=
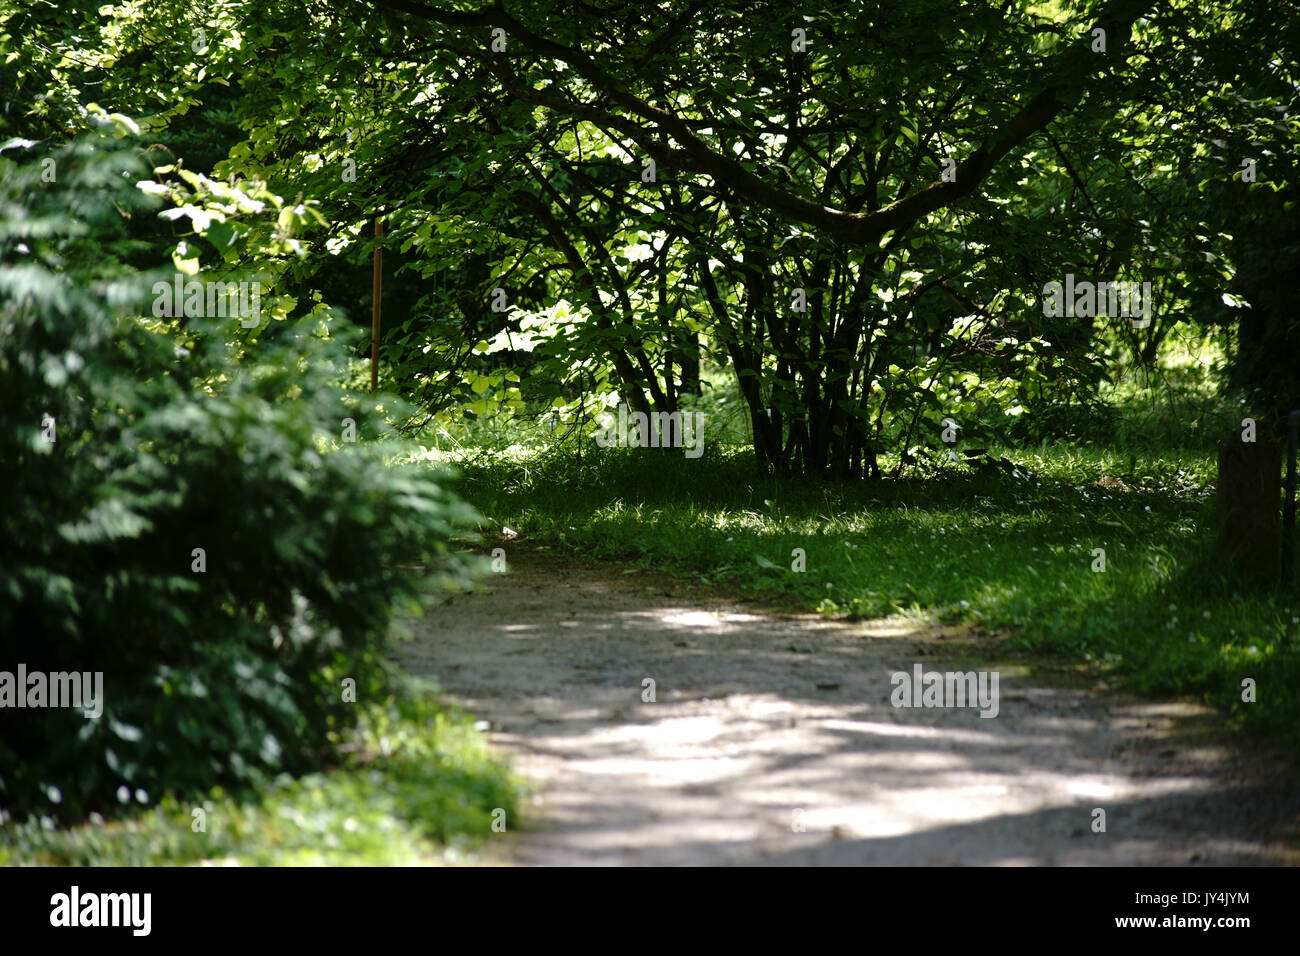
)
(170, 437)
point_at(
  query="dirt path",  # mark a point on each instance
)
(765, 722)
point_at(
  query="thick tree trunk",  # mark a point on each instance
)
(689, 359)
(1249, 522)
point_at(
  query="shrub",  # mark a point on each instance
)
(169, 439)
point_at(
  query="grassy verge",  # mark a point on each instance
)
(1010, 551)
(418, 786)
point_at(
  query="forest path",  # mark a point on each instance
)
(764, 722)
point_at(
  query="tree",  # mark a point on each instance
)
(855, 208)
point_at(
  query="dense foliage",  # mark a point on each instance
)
(182, 512)
(854, 209)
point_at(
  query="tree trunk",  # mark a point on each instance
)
(689, 359)
(1249, 524)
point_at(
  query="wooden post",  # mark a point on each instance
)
(1288, 506)
(1249, 524)
(374, 309)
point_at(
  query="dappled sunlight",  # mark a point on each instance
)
(691, 619)
(775, 737)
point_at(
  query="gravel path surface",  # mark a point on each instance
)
(772, 739)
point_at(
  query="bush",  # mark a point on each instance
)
(217, 666)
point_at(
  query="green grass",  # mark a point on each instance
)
(1004, 553)
(418, 786)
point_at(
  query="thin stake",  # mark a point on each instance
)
(1288, 504)
(374, 309)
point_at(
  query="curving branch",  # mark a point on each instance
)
(1067, 76)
